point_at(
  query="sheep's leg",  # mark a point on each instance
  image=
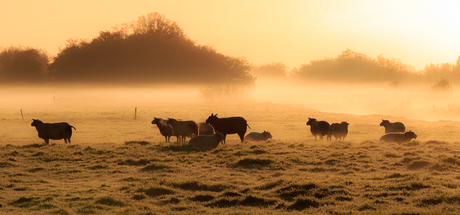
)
(47, 141)
(241, 136)
(225, 137)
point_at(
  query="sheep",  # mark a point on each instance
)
(393, 127)
(339, 131)
(183, 129)
(207, 141)
(165, 129)
(399, 137)
(256, 136)
(229, 125)
(205, 129)
(54, 131)
(320, 128)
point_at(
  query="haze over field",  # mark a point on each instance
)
(293, 32)
(359, 57)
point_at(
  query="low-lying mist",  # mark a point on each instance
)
(411, 101)
(415, 102)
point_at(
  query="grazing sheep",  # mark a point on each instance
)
(207, 142)
(205, 129)
(54, 131)
(339, 131)
(165, 129)
(393, 127)
(229, 125)
(399, 137)
(320, 128)
(256, 136)
(183, 129)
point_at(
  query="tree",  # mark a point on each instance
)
(355, 67)
(151, 49)
(274, 70)
(18, 64)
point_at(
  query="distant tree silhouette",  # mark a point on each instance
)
(274, 70)
(356, 67)
(152, 49)
(442, 85)
(23, 65)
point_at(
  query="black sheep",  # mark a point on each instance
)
(320, 128)
(231, 125)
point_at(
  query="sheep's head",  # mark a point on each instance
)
(410, 135)
(384, 122)
(311, 120)
(266, 135)
(35, 122)
(211, 119)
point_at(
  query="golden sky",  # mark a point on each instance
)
(293, 32)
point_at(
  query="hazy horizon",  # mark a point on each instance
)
(292, 32)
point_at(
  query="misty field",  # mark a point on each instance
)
(118, 164)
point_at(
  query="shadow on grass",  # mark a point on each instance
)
(197, 186)
(250, 163)
(248, 201)
(156, 191)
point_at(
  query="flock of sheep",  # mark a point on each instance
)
(210, 133)
(394, 132)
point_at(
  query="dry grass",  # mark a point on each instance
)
(156, 178)
(118, 165)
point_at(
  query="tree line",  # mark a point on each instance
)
(151, 49)
(154, 49)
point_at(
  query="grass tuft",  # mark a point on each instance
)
(25, 202)
(155, 167)
(131, 162)
(156, 191)
(304, 203)
(250, 163)
(110, 201)
(202, 198)
(197, 186)
(142, 143)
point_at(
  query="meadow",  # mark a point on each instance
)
(118, 164)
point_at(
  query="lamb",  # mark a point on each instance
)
(229, 125)
(205, 129)
(183, 129)
(54, 131)
(206, 141)
(320, 128)
(165, 129)
(393, 127)
(399, 137)
(256, 136)
(339, 131)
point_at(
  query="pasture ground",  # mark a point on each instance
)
(120, 165)
(275, 177)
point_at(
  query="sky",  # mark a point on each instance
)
(294, 32)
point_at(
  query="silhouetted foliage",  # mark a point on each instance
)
(356, 67)
(151, 49)
(274, 70)
(23, 65)
(442, 86)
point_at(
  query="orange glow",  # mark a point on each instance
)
(293, 32)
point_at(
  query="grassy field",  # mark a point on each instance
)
(120, 165)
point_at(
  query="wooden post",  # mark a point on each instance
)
(22, 115)
(135, 113)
